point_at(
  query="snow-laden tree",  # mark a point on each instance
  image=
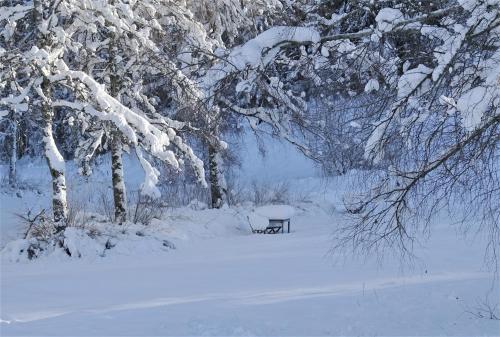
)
(252, 82)
(48, 28)
(133, 63)
(242, 81)
(431, 71)
(227, 23)
(439, 132)
(13, 112)
(230, 22)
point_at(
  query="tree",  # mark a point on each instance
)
(432, 70)
(125, 60)
(49, 26)
(226, 23)
(16, 109)
(243, 83)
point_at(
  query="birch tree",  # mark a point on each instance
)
(49, 26)
(432, 70)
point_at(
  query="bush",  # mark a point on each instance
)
(143, 209)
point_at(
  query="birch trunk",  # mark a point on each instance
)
(217, 181)
(119, 193)
(13, 155)
(55, 162)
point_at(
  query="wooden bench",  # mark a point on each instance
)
(274, 227)
(279, 224)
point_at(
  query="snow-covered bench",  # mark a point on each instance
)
(277, 216)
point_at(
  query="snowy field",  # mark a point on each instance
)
(180, 100)
(251, 285)
(222, 280)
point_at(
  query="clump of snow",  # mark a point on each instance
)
(412, 79)
(16, 251)
(387, 18)
(445, 53)
(372, 85)
(373, 148)
(251, 54)
(355, 125)
(276, 211)
(325, 52)
(343, 46)
(78, 243)
(151, 177)
(472, 106)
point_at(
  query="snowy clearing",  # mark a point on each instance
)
(222, 280)
(250, 285)
(249, 168)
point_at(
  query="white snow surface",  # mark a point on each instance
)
(387, 18)
(372, 85)
(411, 80)
(222, 280)
(472, 105)
(276, 211)
(258, 51)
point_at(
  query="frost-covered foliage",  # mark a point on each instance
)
(421, 86)
(407, 89)
(425, 80)
(229, 22)
(45, 42)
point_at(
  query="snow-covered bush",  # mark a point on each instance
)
(37, 226)
(143, 208)
(265, 193)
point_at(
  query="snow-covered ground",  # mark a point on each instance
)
(252, 285)
(222, 280)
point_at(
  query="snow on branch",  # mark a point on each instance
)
(16, 12)
(136, 128)
(151, 176)
(17, 104)
(261, 50)
(168, 125)
(256, 53)
(268, 116)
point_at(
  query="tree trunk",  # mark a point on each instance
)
(119, 193)
(217, 182)
(55, 162)
(13, 155)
